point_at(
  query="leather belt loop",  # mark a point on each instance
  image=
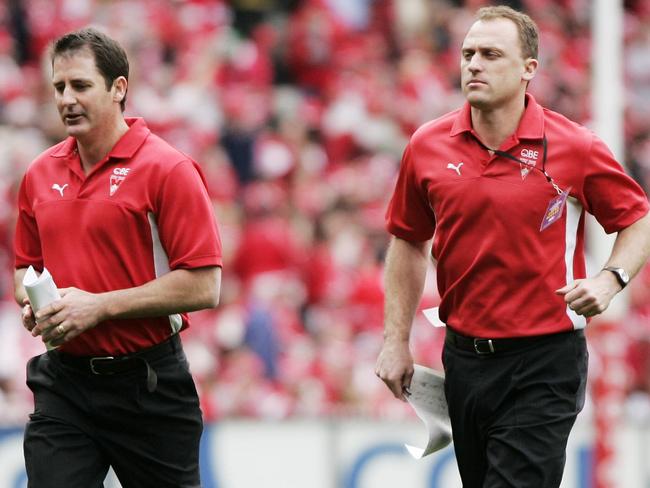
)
(152, 377)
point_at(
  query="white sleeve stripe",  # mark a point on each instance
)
(161, 266)
(573, 213)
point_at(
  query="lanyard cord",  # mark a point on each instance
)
(542, 170)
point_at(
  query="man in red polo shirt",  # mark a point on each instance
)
(498, 191)
(124, 224)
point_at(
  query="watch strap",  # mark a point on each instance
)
(618, 272)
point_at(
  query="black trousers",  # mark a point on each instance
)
(512, 412)
(83, 423)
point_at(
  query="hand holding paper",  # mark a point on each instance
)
(41, 290)
(428, 400)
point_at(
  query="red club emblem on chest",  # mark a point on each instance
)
(116, 179)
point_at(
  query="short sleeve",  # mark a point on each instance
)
(186, 223)
(612, 196)
(409, 215)
(27, 243)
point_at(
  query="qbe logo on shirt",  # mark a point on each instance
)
(528, 161)
(116, 179)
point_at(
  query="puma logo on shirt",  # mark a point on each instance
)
(455, 167)
(59, 188)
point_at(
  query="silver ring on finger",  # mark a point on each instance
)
(60, 329)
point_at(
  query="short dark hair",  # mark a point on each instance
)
(110, 57)
(527, 28)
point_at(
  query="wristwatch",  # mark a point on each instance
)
(621, 275)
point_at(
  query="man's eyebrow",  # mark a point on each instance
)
(482, 49)
(491, 48)
(73, 80)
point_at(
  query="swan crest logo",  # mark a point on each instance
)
(116, 179)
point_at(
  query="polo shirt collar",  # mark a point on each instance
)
(531, 125)
(131, 141)
(124, 148)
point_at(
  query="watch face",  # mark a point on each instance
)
(623, 274)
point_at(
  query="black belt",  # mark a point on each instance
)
(109, 365)
(483, 346)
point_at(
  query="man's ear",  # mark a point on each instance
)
(119, 88)
(530, 69)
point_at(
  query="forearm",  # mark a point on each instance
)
(178, 291)
(593, 295)
(405, 272)
(632, 247)
(19, 290)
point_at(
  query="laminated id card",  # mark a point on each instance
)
(555, 209)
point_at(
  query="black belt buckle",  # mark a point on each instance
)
(100, 360)
(483, 346)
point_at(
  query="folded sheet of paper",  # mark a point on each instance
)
(427, 398)
(41, 290)
(432, 316)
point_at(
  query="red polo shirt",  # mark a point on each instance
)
(496, 271)
(141, 212)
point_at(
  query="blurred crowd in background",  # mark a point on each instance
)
(298, 111)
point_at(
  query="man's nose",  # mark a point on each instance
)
(68, 96)
(474, 64)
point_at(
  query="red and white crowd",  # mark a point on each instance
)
(298, 112)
